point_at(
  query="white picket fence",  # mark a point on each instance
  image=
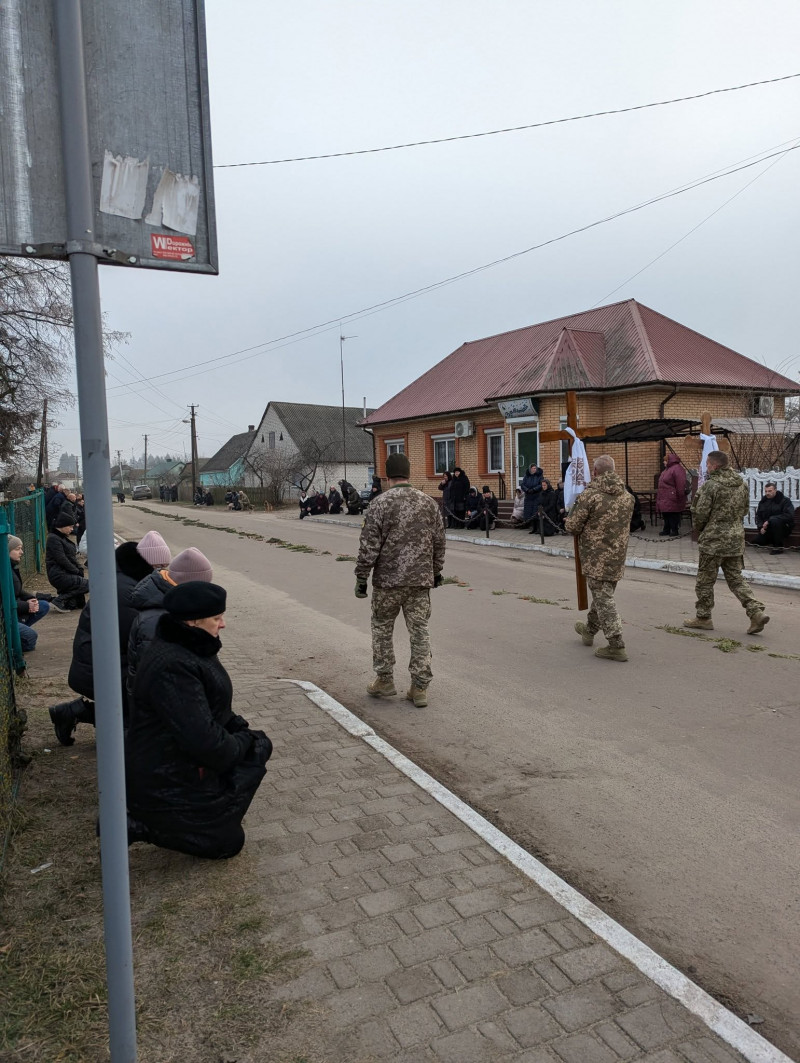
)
(788, 482)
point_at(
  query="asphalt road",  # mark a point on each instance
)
(665, 789)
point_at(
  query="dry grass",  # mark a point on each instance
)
(205, 966)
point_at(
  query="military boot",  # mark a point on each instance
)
(614, 651)
(587, 636)
(758, 621)
(382, 686)
(704, 623)
(419, 695)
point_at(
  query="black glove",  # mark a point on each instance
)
(361, 588)
(244, 739)
(438, 579)
(236, 724)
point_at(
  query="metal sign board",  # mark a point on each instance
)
(149, 129)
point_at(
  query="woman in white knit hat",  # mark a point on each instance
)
(30, 607)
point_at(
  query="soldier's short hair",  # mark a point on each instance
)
(718, 459)
(605, 463)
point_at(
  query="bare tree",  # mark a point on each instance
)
(36, 350)
(276, 471)
(313, 457)
(767, 438)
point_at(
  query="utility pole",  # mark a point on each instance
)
(144, 477)
(41, 469)
(194, 451)
(344, 426)
(77, 473)
(119, 470)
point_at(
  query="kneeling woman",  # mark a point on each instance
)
(192, 765)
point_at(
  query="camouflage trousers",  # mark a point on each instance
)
(732, 571)
(416, 605)
(603, 615)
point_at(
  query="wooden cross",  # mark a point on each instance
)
(547, 437)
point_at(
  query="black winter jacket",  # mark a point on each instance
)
(184, 742)
(147, 599)
(61, 560)
(131, 569)
(778, 506)
(20, 594)
(459, 490)
(532, 489)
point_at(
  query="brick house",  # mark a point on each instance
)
(484, 406)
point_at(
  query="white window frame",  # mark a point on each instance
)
(496, 433)
(445, 437)
(395, 446)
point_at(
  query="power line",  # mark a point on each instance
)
(507, 129)
(694, 229)
(325, 326)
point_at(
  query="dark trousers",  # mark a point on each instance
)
(672, 523)
(777, 530)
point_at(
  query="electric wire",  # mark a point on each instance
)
(332, 323)
(508, 129)
(694, 229)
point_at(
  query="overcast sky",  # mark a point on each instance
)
(303, 243)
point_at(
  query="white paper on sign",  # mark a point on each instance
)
(578, 475)
(124, 185)
(176, 203)
(709, 444)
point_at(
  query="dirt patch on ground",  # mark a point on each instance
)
(205, 978)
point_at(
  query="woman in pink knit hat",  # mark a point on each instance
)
(147, 598)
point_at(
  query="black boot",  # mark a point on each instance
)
(85, 712)
(64, 717)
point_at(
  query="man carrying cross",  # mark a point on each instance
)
(600, 521)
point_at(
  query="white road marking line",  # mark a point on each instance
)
(732, 1030)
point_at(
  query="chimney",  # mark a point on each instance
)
(365, 406)
(251, 428)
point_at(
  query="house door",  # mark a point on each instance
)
(527, 450)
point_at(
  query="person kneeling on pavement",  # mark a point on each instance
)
(134, 561)
(192, 765)
(30, 607)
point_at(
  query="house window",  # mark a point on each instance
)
(272, 441)
(444, 454)
(761, 406)
(495, 443)
(395, 446)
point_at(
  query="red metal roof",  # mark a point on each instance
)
(621, 345)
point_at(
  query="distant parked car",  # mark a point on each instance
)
(141, 491)
(366, 495)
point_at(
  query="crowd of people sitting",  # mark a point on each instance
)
(192, 764)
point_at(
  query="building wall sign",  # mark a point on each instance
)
(519, 408)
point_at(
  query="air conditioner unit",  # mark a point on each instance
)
(465, 428)
(766, 406)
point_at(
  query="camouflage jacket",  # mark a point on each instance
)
(718, 509)
(601, 519)
(402, 540)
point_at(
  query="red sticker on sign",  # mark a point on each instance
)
(175, 248)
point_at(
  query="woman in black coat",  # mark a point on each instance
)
(548, 503)
(64, 571)
(131, 568)
(532, 488)
(459, 492)
(446, 487)
(192, 765)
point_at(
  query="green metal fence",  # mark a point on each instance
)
(25, 519)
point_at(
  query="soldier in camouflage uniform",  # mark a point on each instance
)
(601, 519)
(402, 544)
(718, 509)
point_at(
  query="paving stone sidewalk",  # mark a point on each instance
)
(423, 943)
